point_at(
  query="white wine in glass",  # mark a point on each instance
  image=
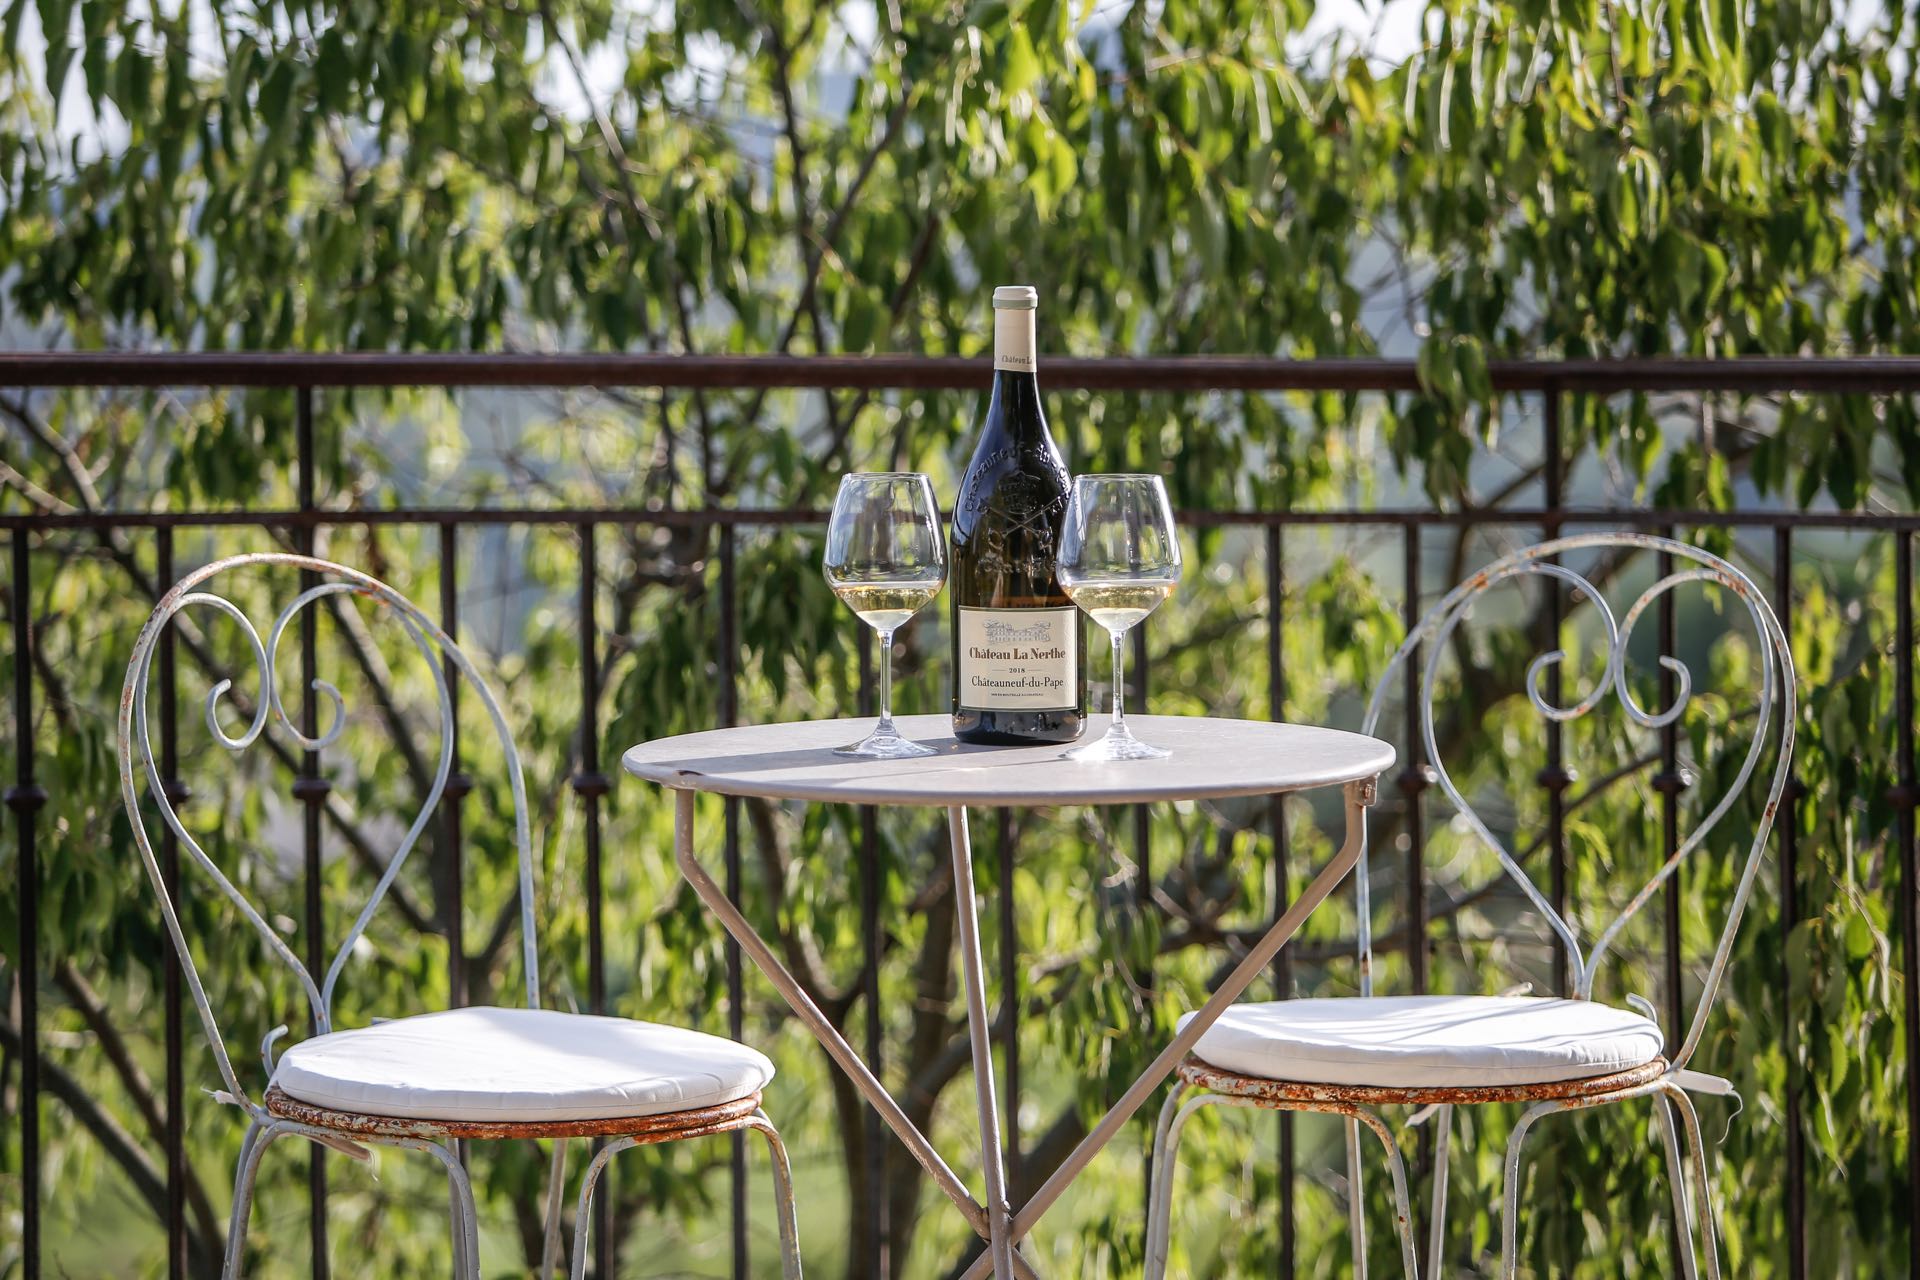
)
(1119, 559)
(1117, 603)
(886, 557)
(885, 606)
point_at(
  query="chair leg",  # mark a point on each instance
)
(1160, 1213)
(782, 1189)
(1709, 1237)
(464, 1183)
(252, 1147)
(1174, 1144)
(457, 1216)
(583, 1212)
(1677, 1181)
(465, 1215)
(1173, 1122)
(1356, 1201)
(556, 1190)
(1159, 1187)
(1402, 1203)
(782, 1197)
(1510, 1198)
(1437, 1227)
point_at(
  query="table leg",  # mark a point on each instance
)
(757, 950)
(979, 1029)
(1359, 798)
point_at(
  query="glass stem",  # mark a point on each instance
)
(886, 683)
(1119, 725)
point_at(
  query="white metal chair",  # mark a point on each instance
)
(419, 1082)
(1349, 1055)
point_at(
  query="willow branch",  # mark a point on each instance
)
(69, 458)
(645, 212)
(119, 1145)
(46, 502)
(815, 260)
(193, 640)
(807, 965)
(803, 214)
(379, 677)
(1204, 933)
(917, 262)
(139, 1088)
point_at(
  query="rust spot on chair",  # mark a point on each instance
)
(1345, 1099)
(670, 1127)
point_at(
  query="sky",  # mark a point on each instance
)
(1392, 29)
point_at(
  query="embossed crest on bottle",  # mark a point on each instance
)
(1019, 669)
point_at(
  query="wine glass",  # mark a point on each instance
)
(886, 557)
(1119, 558)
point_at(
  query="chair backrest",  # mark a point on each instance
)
(1775, 707)
(136, 754)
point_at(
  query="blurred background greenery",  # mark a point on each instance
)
(1450, 180)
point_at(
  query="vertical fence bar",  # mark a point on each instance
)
(451, 863)
(1555, 777)
(452, 871)
(1789, 829)
(590, 782)
(736, 978)
(1282, 885)
(25, 798)
(176, 1146)
(591, 785)
(1413, 782)
(873, 1243)
(1143, 884)
(873, 1135)
(1010, 994)
(1413, 778)
(1142, 814)
(311, 789)
(1907, 792)
(1670, 782)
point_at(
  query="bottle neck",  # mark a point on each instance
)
(1015, 406)
(1013, 345)
(1016, 388)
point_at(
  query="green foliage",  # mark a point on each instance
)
(1584, 179)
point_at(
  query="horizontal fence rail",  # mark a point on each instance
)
(1548, 380)
(1838, 375)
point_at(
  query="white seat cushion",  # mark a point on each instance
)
(1418, 1041)
(491, 1064)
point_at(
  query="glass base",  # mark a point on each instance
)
(885, 743)
(1118, 744)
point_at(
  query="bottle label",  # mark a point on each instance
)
(1013, 339)
(1018, 659)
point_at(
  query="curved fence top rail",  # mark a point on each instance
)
(1832, 374)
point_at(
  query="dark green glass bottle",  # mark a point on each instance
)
(1019, 645)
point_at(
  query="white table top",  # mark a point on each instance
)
(1211, 759)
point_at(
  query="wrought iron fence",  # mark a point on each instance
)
(1547, 381)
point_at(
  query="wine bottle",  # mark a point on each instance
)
(1019, 651)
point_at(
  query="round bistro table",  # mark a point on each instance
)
(1212, 759)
